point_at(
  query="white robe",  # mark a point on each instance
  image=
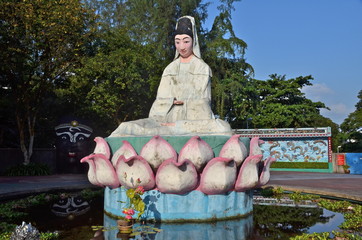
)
(188, 83)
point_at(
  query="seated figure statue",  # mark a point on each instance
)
(183, 102)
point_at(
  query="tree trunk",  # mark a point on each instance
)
(31, 126)
(20, 123)
(27, 152)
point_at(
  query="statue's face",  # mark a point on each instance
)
(72, 144)
(183, 45)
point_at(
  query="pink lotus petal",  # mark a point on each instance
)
(197, 151)
(218, 176)
(125, 150)
(92, 178)
(234, 148)
(135, 171)
(176, 177)
(254, 146)
(265, 174)
(102, 147)
(248, 175)
(157, 150)
(105, 172)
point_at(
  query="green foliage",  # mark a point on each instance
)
(345, 167)
(300, 165)
(267, 192)
(335, 206)
(32, 169)
(351, 129)
(5, 235)
(284, 221)
(345, 235)
(114, 85)
(298, 196)
(40, 41)
(9, 213)
(312, 236)
(322, 121)
(151, 23)
(283, 105)
(233, 89)
(278, 192)
(144, 230)
(326, 236)
(352, 221)
(89, 194)
(135, 200)
(352, 213)
(351, 227)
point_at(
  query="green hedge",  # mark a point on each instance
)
(301, 165)
(32, 169)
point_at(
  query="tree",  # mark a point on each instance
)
(150, 22)
(233, 91)
(283, 105)
(40, 40)
(321, 121)
(352, 129)
(116, 84)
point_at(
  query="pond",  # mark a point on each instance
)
(266, 222)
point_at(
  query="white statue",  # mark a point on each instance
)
(183, 103)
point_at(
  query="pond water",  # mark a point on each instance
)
(266, 222)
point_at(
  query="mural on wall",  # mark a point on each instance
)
(354, 161)
(296, 149)
(72, 144)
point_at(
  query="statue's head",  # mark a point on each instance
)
(186, 40)
(184, 37)
(72, 143)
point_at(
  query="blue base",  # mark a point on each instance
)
(193, 206)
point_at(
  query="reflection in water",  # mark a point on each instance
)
(232, 230)
(267, 222)
(280, 222)
(335, 219)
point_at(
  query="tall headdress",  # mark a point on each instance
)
(186, 25)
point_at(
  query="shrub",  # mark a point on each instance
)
(32, 169)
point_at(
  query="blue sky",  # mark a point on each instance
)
(322, 38)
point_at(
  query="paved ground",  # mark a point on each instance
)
(330, 184)
(348, 186)
(12, 187)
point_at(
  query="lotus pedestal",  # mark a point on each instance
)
(192, 206)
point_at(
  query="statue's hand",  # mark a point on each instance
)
(168, 124)
(178, 102)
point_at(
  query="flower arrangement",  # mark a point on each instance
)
(135, 203)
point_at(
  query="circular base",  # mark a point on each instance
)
(193, 206)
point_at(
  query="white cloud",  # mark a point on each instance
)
(340, 108)
(317, 92)
(338, 112)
